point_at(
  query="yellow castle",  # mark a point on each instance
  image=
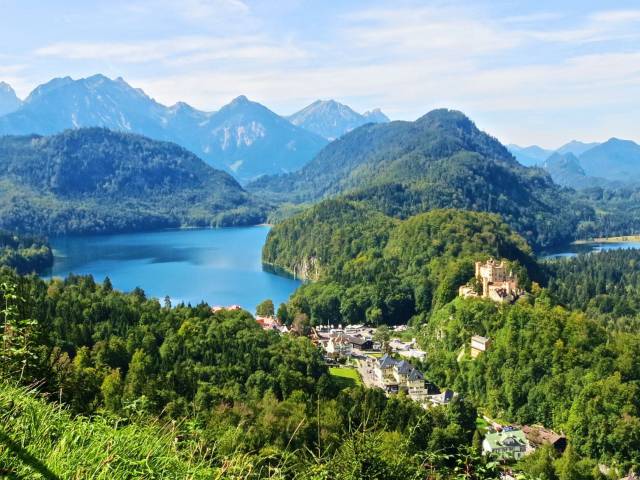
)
(497, 285)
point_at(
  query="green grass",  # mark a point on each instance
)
(42, 440)
(481, 424)
(620, 239)
(346, 377)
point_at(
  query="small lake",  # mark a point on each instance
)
(219, 266)
(576, 249)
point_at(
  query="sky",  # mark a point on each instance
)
(528, 72)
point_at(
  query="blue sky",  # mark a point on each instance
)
(539, 71)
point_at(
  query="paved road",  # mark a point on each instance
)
(365, 369)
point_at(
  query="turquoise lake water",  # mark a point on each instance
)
(219, 266)
(573, 250)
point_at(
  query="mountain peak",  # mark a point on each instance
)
(48, 87)
(5, 87)
(446, 119)
(376, 115)
(577, 147)
(240, 100)
(332, 119)
(9, 101)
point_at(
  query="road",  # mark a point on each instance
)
(365, 369)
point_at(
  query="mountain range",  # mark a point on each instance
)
(331, 119)
(9, 101)
(96, 181)
(440, 160)
(243, 138)
(582, 165)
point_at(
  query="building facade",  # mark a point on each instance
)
(496, 284)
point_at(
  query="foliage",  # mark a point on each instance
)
(605, 284)
(545, 365)
(371, 268)
(440, 160)
(238, 399)
(266, 308)
(95, 181)
(38, 440)
(24, 253)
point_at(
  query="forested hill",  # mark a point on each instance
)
(95, 180)
(440, 160)
(25, 254)
(371, 268)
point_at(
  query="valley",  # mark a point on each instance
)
(166, 310)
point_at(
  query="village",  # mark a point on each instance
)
(361, 354)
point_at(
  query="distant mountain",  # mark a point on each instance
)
(243, 138)
(529, 156)
(96, 180)
(576, 147)
(331, 119)
(9, 101)
(566, 170)
(614, 159)
(253, 140)
(440, 160)
(375, 116)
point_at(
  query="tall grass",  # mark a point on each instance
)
(42, 440)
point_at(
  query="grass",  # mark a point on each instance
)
(481, 424)
(42, 440)
(346, 377)
(621, 239)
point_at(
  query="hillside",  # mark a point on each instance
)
(95, 180)
(371, 268)
(441, 160)
(251, 140)
(615, 159)
(331, 119)
(243, 138)
(46, 441)
(565, 169)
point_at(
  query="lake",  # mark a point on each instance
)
(578, 248)
(219, 266)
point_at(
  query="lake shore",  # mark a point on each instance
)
(620, 239)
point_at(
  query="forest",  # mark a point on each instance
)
(442, 160)
(562, 356)
(212, 394)
(97, 181)
(24, 253)
(371, 268)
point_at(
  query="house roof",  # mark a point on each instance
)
(357, 340)
(386, 361)
(479, 338)
(540, 436)
(416, 375)
(340, 338)
(404, 367)
(506, 438)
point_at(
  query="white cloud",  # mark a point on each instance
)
(176, 51)
(616, 16)
(201, 9)
(405, 60)
(412, 31)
